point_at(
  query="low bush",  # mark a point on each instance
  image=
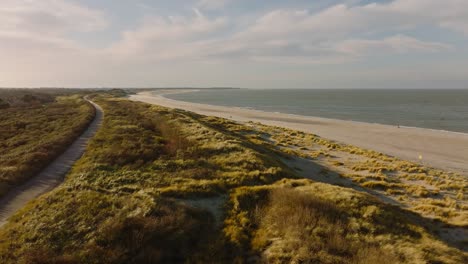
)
(298, 221)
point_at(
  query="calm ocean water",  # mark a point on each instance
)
(435, 109)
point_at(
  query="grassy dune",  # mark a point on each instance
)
(124, 200)
(33, 133)
(162, 185)
(430, 192)
(300, 221)
(23, 97)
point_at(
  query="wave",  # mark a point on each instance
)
(250, 108)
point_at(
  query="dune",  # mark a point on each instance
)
(52, 175)
(432, 148)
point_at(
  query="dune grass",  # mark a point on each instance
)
(33, 135)
(407, 183)
(130, 182)
(24, 97)
(300, 221)
(131, 199)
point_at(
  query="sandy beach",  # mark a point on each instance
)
(433, 148)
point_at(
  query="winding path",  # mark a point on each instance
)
(52, 175)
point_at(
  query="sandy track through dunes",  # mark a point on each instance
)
(52, 175)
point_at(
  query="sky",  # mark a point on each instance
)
(234, 43)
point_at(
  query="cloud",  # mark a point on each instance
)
(212, 4)
(343, 20)
(331, 34)
(394, 44)
(169, 37)
(36, 29)
(287, 35)
(48, 17)
(35, 42)
(35, 36)
(336, 34)
(450, 14)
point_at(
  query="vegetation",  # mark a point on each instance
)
(37, 130)
(15, 97)
(431, 192)
(161, 186)
(299, 221)
(4, 104)
(126, 199)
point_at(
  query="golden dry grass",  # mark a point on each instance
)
(129, 199)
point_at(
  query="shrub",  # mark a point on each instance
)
(311, 230)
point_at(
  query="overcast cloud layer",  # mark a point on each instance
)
(241, 43)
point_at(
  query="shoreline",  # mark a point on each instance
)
(167, 92)
(438, 148)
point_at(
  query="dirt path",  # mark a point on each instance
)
(52, 175)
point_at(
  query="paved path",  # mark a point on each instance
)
(52, 175)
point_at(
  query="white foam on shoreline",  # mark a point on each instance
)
(440, 149)
(249, 108)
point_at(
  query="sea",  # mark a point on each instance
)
(442, 109)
